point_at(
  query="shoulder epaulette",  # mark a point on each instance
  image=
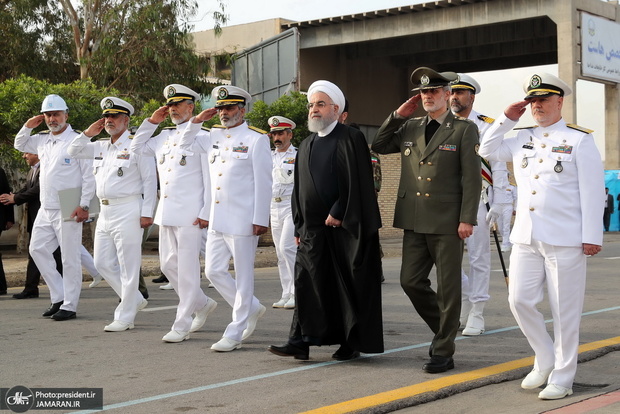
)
(260, 131)
(77, 131)
(45, 132)
(104, 139)
(218, 126)
(578, 128)
(486, 119)
(205, 129)
(460, 118)
(527, 127)
(170, 127)
(131, 136)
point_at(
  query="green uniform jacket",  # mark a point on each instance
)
(440, 183)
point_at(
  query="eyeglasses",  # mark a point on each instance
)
(319, 104)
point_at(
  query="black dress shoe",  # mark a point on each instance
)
(54, 307)
(161, 279)
(63, 315)
(344, 353)
(290, 350)
(438, 364)
(26, 295)
(2, 292)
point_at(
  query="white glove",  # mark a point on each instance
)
(492, 215)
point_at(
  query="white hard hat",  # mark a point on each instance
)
(53, 103)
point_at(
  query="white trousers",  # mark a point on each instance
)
(238, 292)
(48, 233)
(563, 271)
(283, 232)
(179, 257)
(88, 262)
(475, 287)
(118, 254)
(503, 223)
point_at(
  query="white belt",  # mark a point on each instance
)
(121, 200)
(281, 198)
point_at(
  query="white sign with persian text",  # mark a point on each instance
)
(600, 48)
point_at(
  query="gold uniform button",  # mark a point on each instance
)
(427, 195)
(419, 178)
(540, 160)
(531, 208)
(217, 188)
(430, 163)
(174, 145)
(169, 169)
(418, 193)
(534, 192)
(227, 135)
(421, 162)
(166, 196)
(172, 156)
(429, 179)
(217, 201)
(226, 149)
(536, 177)
(223, 161)
(543, 146)
(220, 174)
(166, 183)
(545, 134)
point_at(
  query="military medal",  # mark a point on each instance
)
(558, 167)
(183, 161)
(408, 145)
(163, 158)
(524, 163)
(212, 157)
(120, 172)
(407, 152)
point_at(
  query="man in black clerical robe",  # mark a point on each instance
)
(338, 263)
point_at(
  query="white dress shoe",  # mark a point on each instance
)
(226, 345)
(167, 286)
(201, 315)
(554, 392)
(535, 379)
(290, 304)
(118, 326)
(470, 331)
(96, 280)
(143, 304)
(252, 320)
(175, 336)
(280, 303)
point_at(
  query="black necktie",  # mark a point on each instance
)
(431, 128)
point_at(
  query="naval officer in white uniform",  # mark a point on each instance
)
(127, 190)
(560, 182)
(58, 172)
(181, 213)
(238, 206)
(475, 286)
(282, 227)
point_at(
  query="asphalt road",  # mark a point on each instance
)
(141, 374)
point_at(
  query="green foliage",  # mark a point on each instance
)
(21, 98)
(291, 106)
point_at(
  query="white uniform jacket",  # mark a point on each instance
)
(282, 175)
(240, 166)
(182, 174)
(560, 182)
(118, 172)
(59, 171)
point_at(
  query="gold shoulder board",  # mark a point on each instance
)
(205, 129)
(486, 119)
(260, 131)
(578, 128)
(218, 126)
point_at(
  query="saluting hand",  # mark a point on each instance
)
(159, 115)
(408, 108)
(35, 121)
(515, 110)
(95, 128)
(205, 115)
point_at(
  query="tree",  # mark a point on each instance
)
(119, 39)
(291, 106)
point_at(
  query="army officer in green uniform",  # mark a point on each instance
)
(437, 203)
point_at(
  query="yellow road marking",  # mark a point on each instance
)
(443, 382)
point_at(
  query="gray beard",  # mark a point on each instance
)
(316, 125)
